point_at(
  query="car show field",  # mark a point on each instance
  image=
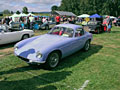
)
(99, 67)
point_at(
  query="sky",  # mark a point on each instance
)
(32, 5)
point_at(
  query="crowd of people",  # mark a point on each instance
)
(31, 21)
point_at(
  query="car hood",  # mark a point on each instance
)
(44, 42)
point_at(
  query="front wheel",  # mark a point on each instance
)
(52, 60)
(87, 45)
(25, 37)
(47, 27)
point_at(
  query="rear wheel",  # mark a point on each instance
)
(98, 30)
(87, 45)
(52, 60)
(25, 37)
(47, 27)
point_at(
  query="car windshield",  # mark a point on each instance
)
(62, 31)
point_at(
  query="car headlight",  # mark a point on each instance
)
(38, 55)
(15, 48)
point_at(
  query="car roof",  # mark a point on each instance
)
(73, 26)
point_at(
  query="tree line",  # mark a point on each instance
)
(24, 10)
(102, 7)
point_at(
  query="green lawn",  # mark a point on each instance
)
(100, 65)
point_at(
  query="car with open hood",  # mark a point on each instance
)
(48, 49)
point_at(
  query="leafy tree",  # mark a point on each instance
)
(54, 8)
(11, 12)
(102, 7)
(25, 10)
(6, 11)
(18, 12)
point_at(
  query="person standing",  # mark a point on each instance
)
(28, 23)
(10, 23)
(32, 20)
(109, 24)
(57, 19)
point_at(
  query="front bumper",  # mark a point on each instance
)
(31, 61)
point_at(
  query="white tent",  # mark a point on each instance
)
(112, 17)
(23, 15)
(84, 16)
(15, 17)
(30, 14)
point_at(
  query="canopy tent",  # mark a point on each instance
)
(30, 14)
(95, 16)
(112, 17)
(84, 16)
(64, 13)
(23, 15)
(15, 17)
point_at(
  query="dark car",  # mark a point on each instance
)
(117, 22)
(95, 26)
(46, 26)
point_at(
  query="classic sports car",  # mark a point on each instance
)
(48, 49)
(9, 35)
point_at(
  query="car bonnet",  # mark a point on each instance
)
(43, 42)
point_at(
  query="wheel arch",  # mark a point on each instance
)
(90, 39)
(58, 51)
(24, 35)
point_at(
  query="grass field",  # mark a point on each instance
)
(100, 65)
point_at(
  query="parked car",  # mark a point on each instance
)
(117, 23)
(50, 48)
(95, 26)
(45, 26)
(9, 35)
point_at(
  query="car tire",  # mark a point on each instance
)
(87, 45)
(52, 60)
(25, 37)
(47, 27)
(98, 30)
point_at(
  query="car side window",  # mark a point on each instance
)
(55, 30)
(79, 32)
(68, 32)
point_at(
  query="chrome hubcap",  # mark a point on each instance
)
(54, 59)
(87, 46)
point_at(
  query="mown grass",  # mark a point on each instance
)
(100, 65)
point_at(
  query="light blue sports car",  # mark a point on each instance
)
(48, 49)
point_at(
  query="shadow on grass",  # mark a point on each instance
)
(115, 31)
(20, 69)
(5, 46)
(77, 57)
(67, 62)
(34, 82)
(49, 87)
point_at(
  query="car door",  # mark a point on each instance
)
(68, 46)
(79, 39)
(1, 38)
(9, 37)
